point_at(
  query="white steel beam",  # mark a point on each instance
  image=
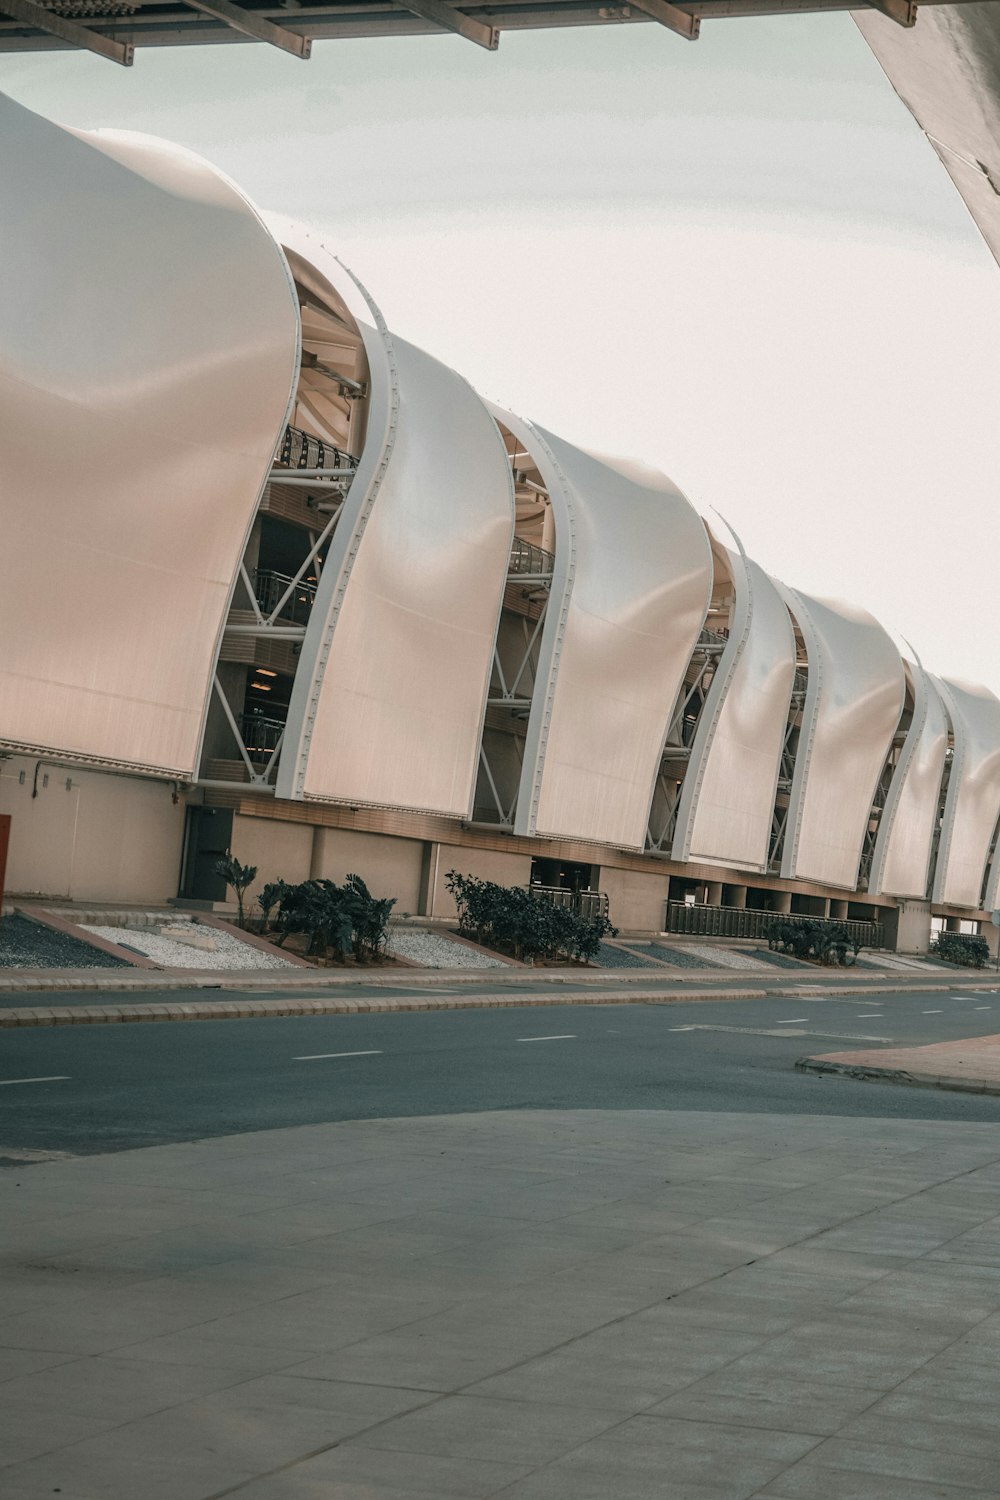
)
(252, 24)
(673, 18)
(453, 20)
(30, 14)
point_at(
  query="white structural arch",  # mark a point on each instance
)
(973, 798)
(138, 416)
(630, 590)
(727, 797)
(904, 843)
(853, 702)
(389, 698)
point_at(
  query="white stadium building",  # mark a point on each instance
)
(277, 581)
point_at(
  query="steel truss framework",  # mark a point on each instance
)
(335, 481)
(680, 738)
(530, 568)
(115, 28)
(779, 818)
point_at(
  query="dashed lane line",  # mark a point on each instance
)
(319, 1056)
(567, 1036)
(837, 1036)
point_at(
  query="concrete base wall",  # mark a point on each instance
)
(913, 931)
(636, 901)
(388, 866)
(484, 864)
(281, 851)
(87, 836)
(104, 837)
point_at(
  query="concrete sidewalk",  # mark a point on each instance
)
(572, 1306)
(969, 1066)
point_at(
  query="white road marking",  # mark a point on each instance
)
(794, 1021)
(870, 1015)
(53, 1078)
(317, 1056)
(567, 1036)
(840, 1036)
(982, 1007)
(933, 1012)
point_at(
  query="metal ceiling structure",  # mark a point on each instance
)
(114, 28)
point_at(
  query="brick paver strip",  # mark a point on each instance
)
(334, 1004)
(970, 1066)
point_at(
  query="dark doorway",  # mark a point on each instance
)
(208, 833)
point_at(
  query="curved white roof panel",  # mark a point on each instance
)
(727, 798)
(973, 800)
(632, 581)
(141, 399)
(389, 698)
(901, 860)
(854, 698)
(947, 73)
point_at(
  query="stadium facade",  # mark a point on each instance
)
(277, 581)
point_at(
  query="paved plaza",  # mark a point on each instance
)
(585, 1305)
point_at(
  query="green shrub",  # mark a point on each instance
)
(966, 948)
(339, 918)
(826, 942)
(511, 920)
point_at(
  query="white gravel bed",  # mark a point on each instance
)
(878, 960)
(727, 958)
(437, 952)
(230, 952)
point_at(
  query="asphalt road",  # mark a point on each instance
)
(101, 1088)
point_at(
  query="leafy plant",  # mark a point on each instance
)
(270, 896)
(826, 942)
(240, 877)
(343, 919)
(966, 948)
(512, 920)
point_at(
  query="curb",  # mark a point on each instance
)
(237, 1010)
(864, 1073)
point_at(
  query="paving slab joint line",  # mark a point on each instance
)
(869, 1074)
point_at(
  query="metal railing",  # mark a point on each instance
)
(585, 903)
(526, 558)
(260, 734)
(736, 922)
(300, 450)
(270, 586)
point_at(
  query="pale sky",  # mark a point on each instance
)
(737, 259)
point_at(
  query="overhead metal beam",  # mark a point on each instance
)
(903, 12)
(670, 16)
(257, 26)
(30, 14)
(453, 20)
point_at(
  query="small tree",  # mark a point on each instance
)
(270, 896)
(240, 877)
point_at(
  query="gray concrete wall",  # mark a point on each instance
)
(89, 836)
(388, 866)
(637, 901)
(485, 864)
